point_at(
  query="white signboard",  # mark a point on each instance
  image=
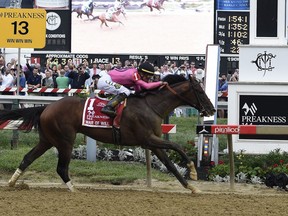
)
(258, 103)
(263, 63)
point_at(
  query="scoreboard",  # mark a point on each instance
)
(231, 25)
(232, 30)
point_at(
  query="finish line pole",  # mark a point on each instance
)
(148, 165)
(231, 160)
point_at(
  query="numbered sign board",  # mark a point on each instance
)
(22, 28)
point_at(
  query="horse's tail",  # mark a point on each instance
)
(30, 117)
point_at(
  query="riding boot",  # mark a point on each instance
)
(109, 109)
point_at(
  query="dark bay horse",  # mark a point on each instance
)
(157, 4)
(59, 122)
(88, 11)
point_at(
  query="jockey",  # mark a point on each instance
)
(118, 81)
(86, 6)
(118, 4)
(116, 7)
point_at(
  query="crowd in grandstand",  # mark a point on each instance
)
(85, 76)
(79, 76)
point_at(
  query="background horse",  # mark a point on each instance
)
(141, 121)
(88, 11)
(157, 4)
(111, 15)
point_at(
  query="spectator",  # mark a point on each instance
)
(182, 71)
(62, 80)
(71, 67)
(229, 75)
(235, 76)
(200, 73)
(92, 71)
(193, 68)
(222, 93)
(79, 77)
(48, 81)
(118, 65)
(223, 85)
(7, 78)
(34, 81)
(128, 64)
(101, 67)
(2, 65)
(30, 68)
(22, 84)
(22, 81)
(55, 74)
(7, 81)
(93, 86)
(173, 67)
(165, 71)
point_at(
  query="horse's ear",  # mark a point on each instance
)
(191, 77)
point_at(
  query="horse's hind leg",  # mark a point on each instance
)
(163, 157)
(106, 24)
(63, 164)
(28, 159)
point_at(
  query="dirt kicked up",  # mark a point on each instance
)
(136, 199)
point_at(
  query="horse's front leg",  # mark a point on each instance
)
(163, 157)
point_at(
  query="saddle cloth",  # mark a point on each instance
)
(93, 117)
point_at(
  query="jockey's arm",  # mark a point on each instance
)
(150, 85)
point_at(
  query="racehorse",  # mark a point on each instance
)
(157, 4)
(111, 15)
(141, 120)
(88, 11)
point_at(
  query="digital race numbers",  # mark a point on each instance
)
(22, 28)
(232, 29)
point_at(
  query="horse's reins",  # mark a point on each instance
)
(184, 99)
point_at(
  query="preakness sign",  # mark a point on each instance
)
(22, 28)
(258, 103)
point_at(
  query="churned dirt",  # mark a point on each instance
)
(164, 198)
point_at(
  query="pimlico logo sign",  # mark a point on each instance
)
(53, 21)
(264, 62)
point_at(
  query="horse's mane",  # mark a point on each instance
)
(173, 78)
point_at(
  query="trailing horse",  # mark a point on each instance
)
(141, 120)
(157, 4)
(86, 10)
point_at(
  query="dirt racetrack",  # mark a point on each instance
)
(136, 199)
(144, 32)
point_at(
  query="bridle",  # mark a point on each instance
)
(186, 100)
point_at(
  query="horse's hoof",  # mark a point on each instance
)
(193, 189)
(194, 176)
(74, 190)
(11, 183)
(196, 191)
